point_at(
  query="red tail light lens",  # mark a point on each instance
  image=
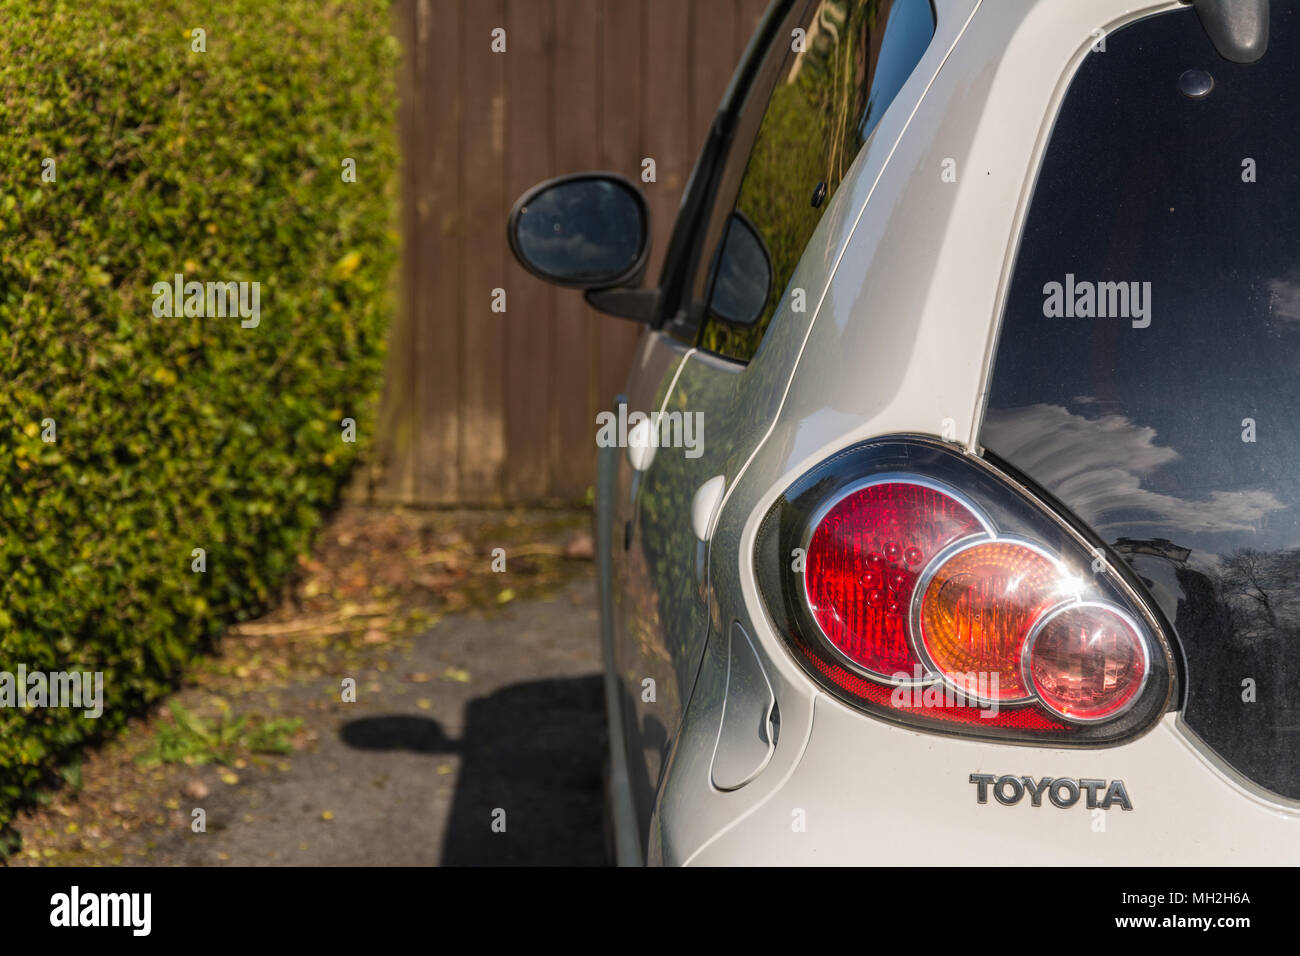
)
(862, 565)
(1087, 662)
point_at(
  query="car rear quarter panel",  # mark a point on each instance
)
(900, 342)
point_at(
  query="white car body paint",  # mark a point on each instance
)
(901, 340)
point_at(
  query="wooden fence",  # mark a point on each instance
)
(483, 407)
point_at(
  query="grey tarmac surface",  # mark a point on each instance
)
(415, 773)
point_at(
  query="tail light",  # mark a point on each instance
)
(928, 587)
(863, 559)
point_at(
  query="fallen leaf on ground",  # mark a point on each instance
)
(581, 547)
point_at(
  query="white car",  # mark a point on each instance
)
(950, 513)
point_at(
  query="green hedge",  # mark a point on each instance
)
(177, 433)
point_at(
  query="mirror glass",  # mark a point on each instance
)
(587, 232)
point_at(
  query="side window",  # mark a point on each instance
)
(828, 91)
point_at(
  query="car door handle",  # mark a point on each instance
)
(704, 506)
(641, 446)
(704, 512)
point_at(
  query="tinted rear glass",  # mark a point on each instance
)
(1148, 366)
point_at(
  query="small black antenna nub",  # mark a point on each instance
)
(1237, 28)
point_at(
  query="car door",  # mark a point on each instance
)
(658, 618)
(817, 79)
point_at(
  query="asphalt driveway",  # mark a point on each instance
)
(416, 774)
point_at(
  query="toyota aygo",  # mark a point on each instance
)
(951, 513)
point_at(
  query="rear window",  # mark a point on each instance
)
(1147, 366)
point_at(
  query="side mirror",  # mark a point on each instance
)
(743, 276)
(587, 231)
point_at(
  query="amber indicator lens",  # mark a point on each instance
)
(978, 610)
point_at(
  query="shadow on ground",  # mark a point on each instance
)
(528, 784)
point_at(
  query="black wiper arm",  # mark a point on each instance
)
(1237, 28)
